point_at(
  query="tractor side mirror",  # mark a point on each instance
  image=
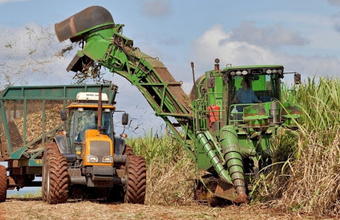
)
(297, 78)
(125, 118)
(63, 115)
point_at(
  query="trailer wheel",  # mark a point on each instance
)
(135, 186)
(3, 183)
(55, 177)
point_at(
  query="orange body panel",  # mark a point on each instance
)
(94, 135)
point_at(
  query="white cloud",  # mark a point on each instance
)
(336, 21)
(29, 55)
(156, 8)
(272, 36)
(217, 43)
(334, 2)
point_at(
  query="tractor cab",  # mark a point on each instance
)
(83, 115)
(249, 86)
(84, 127)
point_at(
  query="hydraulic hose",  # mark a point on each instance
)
(234, 162)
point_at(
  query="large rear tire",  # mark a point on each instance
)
(3, 183)
(50, 150)
(54, 177)
(135, 186)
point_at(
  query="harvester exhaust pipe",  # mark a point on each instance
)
(101, 129)
(89, 18)
(193, 73)
(217, 64)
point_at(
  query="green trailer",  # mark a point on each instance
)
(29, 119)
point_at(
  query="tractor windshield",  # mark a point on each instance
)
(84, 119)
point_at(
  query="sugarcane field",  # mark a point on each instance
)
(169, 110)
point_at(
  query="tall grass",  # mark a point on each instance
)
(308, 180)
(170, 170)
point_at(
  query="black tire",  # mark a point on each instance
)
(3, 183)
(128, 150)
(54, 177)
(135, 187)
(50, 150)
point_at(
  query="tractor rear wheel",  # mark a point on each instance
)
(54, 176)
(135, 186)
(3, 183)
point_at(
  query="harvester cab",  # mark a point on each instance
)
(242, 96)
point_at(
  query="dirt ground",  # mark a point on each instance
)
(34, 208)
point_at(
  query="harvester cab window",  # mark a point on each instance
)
(264, 86)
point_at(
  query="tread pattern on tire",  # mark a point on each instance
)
(135, 187)
(58, 180)
(3, 183)
(50, 149)
(128, 151)
(55, 176)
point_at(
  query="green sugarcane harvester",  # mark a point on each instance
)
(230, 141)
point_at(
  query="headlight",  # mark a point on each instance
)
(92, 159)
(244, 72)
(107, 159)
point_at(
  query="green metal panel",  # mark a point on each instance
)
(51, 92)
(42, 94)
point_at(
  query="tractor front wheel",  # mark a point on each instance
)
(3, 183)
(128, 150)
(54, 176)
(135, 186)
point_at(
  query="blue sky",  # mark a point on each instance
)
(301, 35)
